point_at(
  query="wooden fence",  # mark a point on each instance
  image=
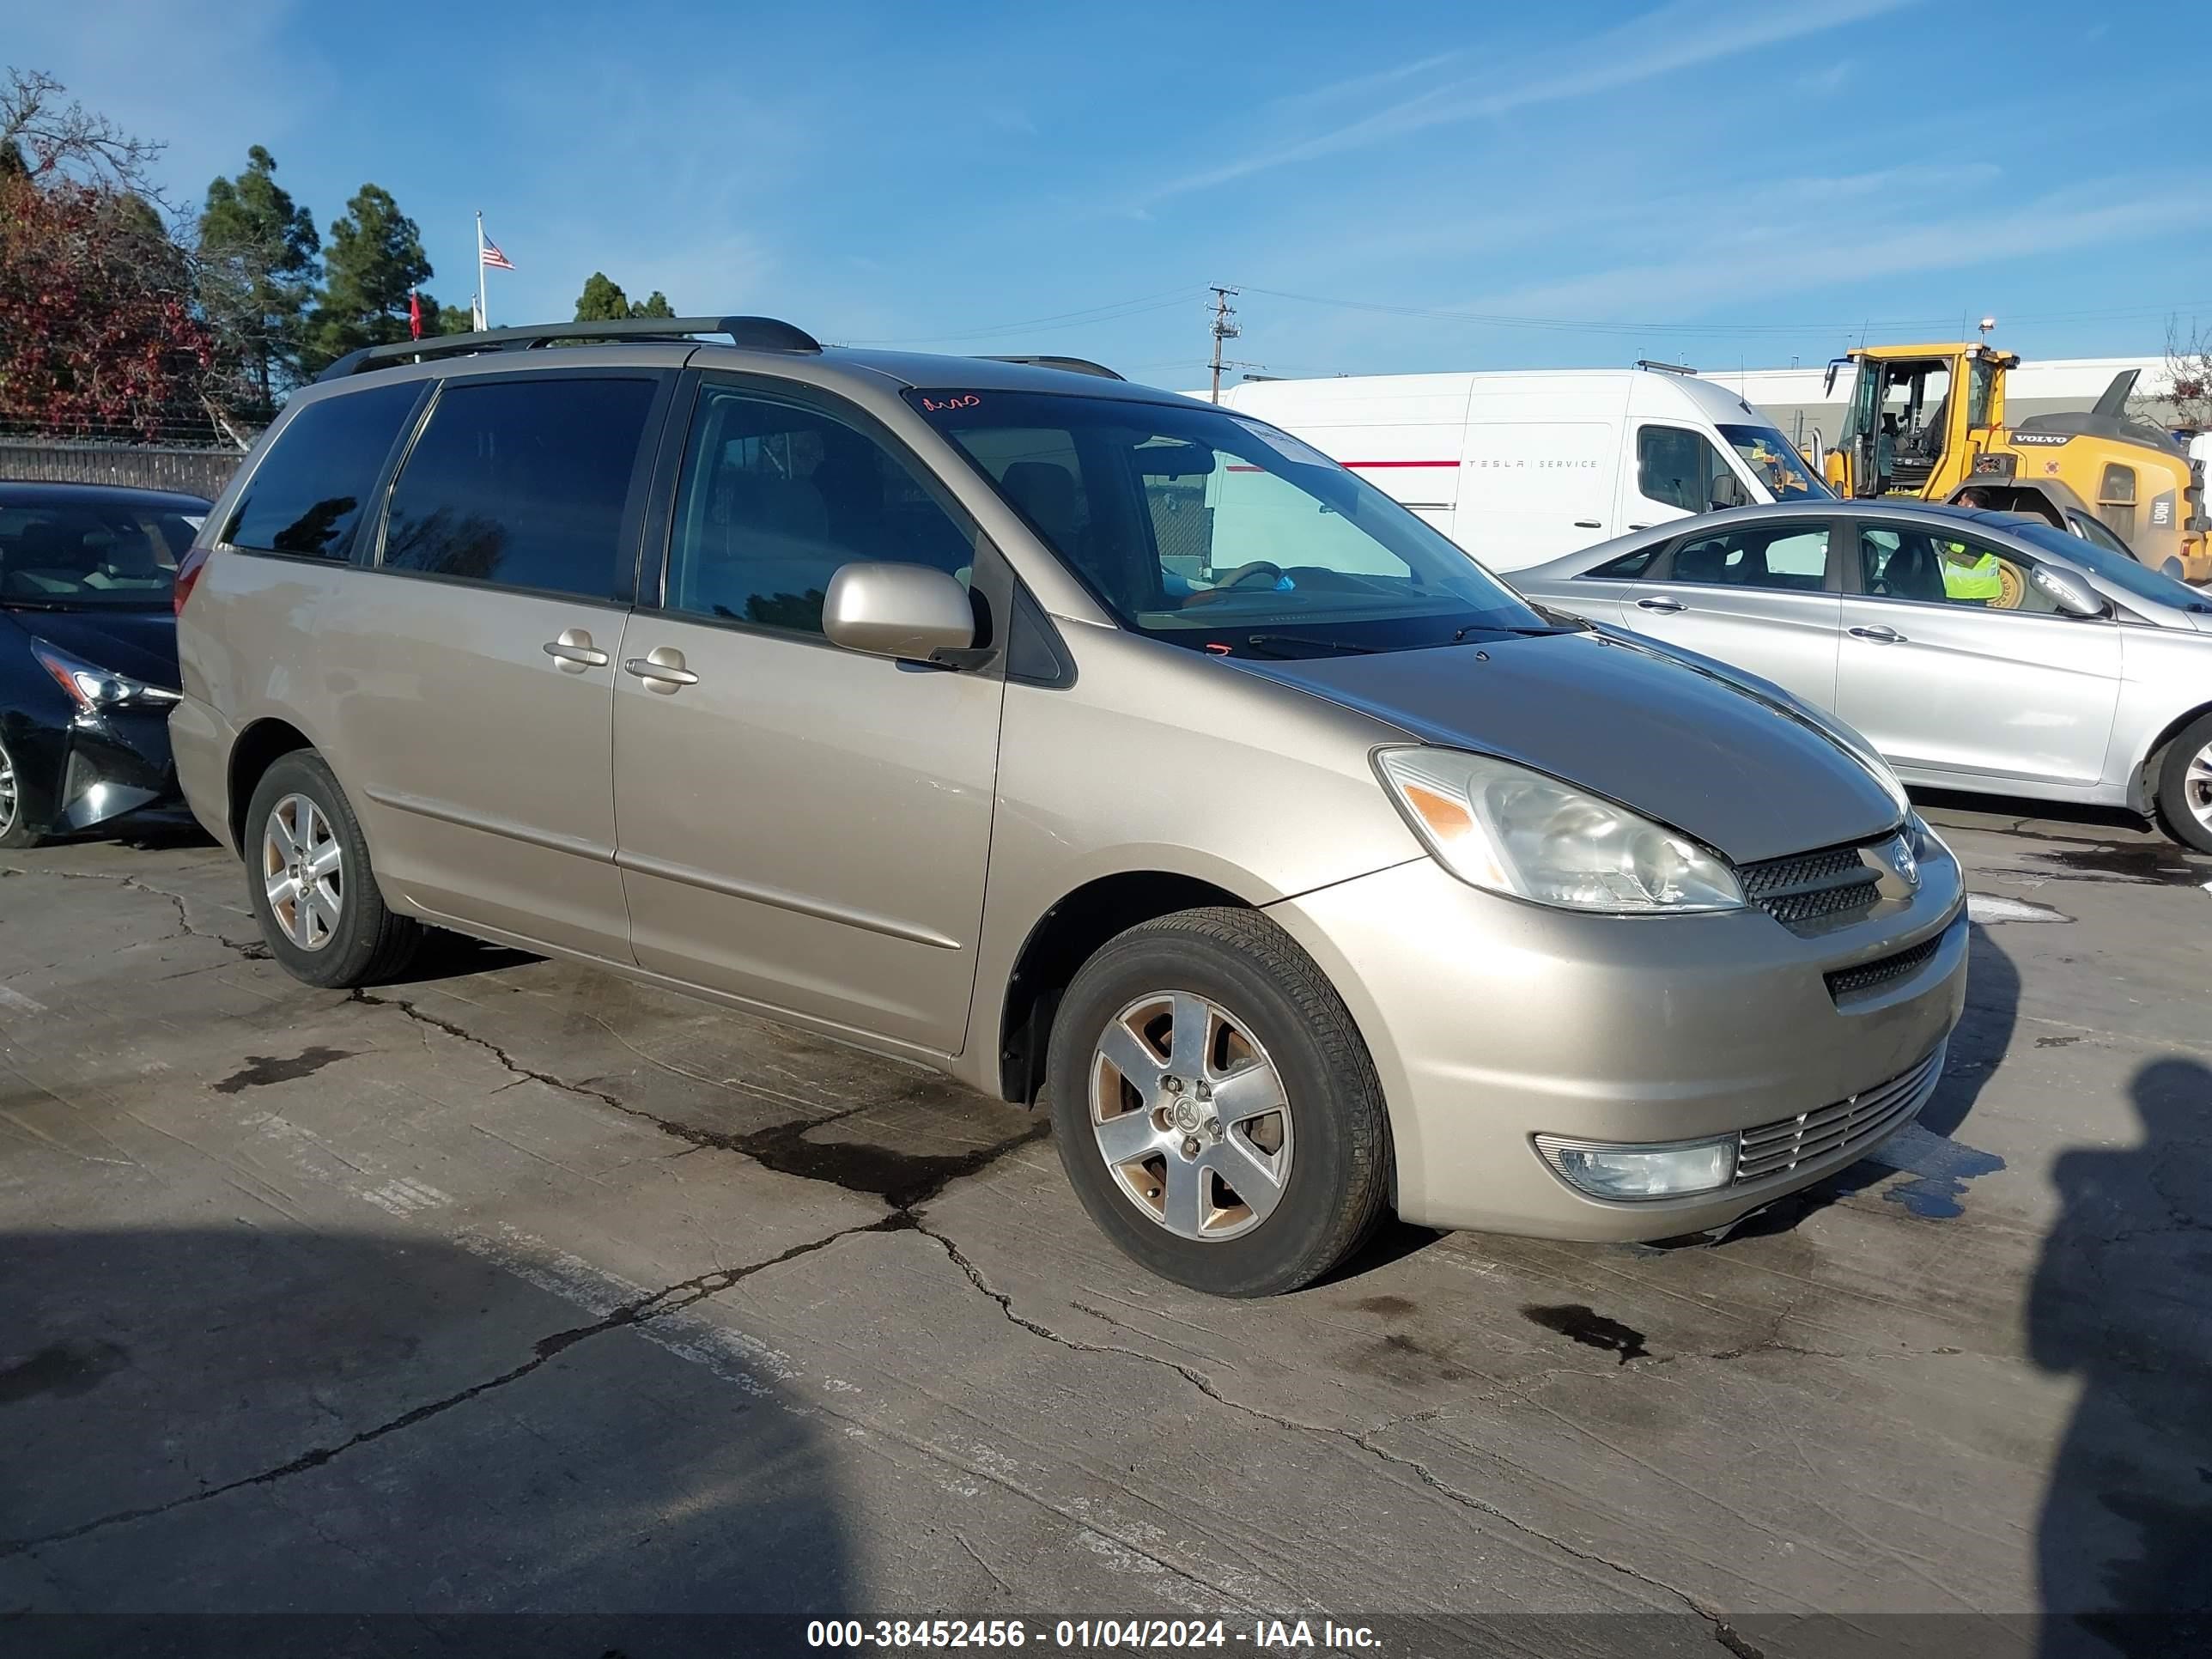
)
(197, 471)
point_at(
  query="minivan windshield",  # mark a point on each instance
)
(88, 550)
(2116, 568)
(1214, 530)
(1775, 462)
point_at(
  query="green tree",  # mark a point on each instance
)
(374, 263)
(257, 252)
(602, 300)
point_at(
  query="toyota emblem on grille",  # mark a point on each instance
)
(1894, 858)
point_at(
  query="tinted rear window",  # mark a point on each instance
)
(307, 494)
(521, 482)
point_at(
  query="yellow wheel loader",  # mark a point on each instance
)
(1924, 421)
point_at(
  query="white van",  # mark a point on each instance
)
(1518, 468)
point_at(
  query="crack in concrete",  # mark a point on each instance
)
(671, 1299)
(1721, 1630)
(185, 929)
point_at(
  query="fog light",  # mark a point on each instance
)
(1630, 1172)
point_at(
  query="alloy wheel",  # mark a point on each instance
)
(10, 797)
(302, 872)
(1190, 1115)
(2197, 787)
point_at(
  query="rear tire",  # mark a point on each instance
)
(2184, 786)
(310, 883)
(1216, 1014)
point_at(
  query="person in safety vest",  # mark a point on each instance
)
(1969, 576)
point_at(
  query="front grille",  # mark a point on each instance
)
(1848, 1125)
(1850, 982)
(1810, 886)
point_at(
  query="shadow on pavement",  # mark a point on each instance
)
(2125, 1549)
(229, 1420)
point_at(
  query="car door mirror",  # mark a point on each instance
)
(914, 613)
(2067, 591)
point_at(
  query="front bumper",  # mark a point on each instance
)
(1491, 1022)
(95, 769)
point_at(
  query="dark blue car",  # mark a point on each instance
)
(87, 653)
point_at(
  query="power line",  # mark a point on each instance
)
(1112, 313)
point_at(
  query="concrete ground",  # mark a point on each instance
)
(518, 1288)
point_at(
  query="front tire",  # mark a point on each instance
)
(310, 883)
(16, 829)
(2184, 786)
(1216, 1109)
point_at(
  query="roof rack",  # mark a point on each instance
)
(1070, 365)
(1664, 368)
(754, 333)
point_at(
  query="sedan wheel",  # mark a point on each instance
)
(1190, 1115)
(2184, 786)
(13, 830)
(303, 872)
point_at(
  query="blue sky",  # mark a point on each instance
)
(1707, 181)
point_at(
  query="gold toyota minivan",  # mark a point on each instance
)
(1088, 743)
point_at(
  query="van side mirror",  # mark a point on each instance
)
(913, 612)
(1727, 491)
(2067, 591)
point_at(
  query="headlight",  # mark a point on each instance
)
(1512, 830)
(1632, 1172)
(95, 688)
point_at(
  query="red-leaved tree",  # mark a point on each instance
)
(97, 331)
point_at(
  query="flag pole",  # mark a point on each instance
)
(484, 311)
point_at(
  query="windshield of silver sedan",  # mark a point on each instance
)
(1218, 532)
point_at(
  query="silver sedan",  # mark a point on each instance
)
(1975, 650)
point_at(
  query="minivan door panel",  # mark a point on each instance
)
(484, 761)
(806, 828)
(798, 825)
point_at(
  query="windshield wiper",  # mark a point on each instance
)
(1524, 633)
(1265, 644)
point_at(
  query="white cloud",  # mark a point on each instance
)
(1682, 34)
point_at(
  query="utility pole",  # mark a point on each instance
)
(1224, 328)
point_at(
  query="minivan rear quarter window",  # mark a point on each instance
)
(521, 482)
(306, 497)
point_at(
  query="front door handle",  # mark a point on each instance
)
(574, 652)
(1588, 524)
(661, 669)
(1661, 604)
(1881, 635)
(1639, 527)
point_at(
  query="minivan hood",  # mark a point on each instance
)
(1670, 741)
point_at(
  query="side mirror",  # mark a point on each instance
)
(1727, 491)
(2067, 591)
(909, 611)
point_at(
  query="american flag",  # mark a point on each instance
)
(494, 259)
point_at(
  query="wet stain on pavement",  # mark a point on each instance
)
(1388, 1306)
(902, 1180)
(2057, 1041)
(1398, 1357)
(69, 1367)
(262, 1069)
(1590, 1328)
(1941, 1168)
(2144, 864)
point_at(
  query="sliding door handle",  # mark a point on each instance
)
(574, 652)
